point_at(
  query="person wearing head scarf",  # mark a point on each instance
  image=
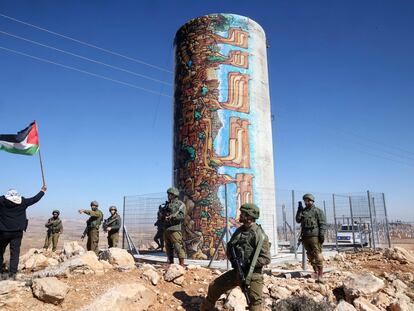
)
(13, 221)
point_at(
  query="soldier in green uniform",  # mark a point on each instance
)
(173, 217)
(92, 227)
(54, 229)
(112, 226)
(313, 227)
(159, 236)
(250, 245)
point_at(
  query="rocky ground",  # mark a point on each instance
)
(73, 279)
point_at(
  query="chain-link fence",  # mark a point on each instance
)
(353, 220)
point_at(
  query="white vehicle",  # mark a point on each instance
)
(345, 235)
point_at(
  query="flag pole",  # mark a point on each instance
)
(41, 168)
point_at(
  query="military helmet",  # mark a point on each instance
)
(113, 207)
(56, 211)
(309, 196)
(95, 203)
(173, 191)
(251, 210)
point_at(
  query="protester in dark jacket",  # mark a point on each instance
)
(13, 222)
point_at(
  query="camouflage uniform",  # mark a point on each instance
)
(114, 222)
(92, 229)
(244, 240)
(54, 229)
(173, 237)
(313, 227)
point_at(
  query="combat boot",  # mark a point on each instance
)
(181, 261)
(320, 276)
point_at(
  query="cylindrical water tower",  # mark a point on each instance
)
(223, 153)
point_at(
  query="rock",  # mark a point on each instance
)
(72, 248)
(52, 262)
(81, 264)
(179, 281)
(125, 297)
(152, 246)
(10, 294)
(174, 271)
(382, 300)
(362, 304)
(339, 257)
(344, 306)
(119, 258)
(106, 265)
(400, 286)
(36, 262)
(151, 275)
(401, 305)
(278, 292)
(236, 301)
(400, 254)
(50, 290)
(362, 284)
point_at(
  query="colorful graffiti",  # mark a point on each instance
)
(213, 125)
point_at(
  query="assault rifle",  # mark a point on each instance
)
(300, 208)
(238, 265)
(107, 223)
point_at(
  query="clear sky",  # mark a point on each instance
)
(341, 83)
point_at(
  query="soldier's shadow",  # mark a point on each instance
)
(190, 303)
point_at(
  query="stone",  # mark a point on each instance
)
(235, 301)
(50, 290)
(106, 265)
(362, 284)
(179, 281)
(87, 263)
(381, 300)
(125, 297)
(344, 306)
(278, 292)
(72, 248)
(362, 304)
(52, 262)
(119, 258)
(36, 262)
(400, 254)
(10, 294)
(174, 271)
(151, 275)
(401, 305)
(399, 285)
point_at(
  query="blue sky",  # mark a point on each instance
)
(341, 78)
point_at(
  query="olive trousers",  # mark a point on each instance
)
(93, 240)
(51, 238)
(113, 239)
(313, 250)
(174, 240)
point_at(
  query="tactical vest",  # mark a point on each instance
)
(310, 222)
(95, 222)
(56, 225)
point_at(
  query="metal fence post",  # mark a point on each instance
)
(352, 221)
(370, 217)
(386, 221)
(284, 221)
(374, 209)
(123, 224)
(336, 226)
(294, 224)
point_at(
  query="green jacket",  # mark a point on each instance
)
(113, 222)
(244, 240)
(95, 219)
(54, 225)
(312, 220)
(177, 214)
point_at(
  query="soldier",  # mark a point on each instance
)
(159, 236)
(247, 250)
(92, 227)
(313, 226)
(173, 216)
(112, 226)
(54, 230)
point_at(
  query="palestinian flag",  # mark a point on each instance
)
(24, 142)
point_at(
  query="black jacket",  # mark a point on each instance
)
(13, 216)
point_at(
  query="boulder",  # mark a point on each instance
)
(362, 304)
(278, 292)
(52, 262)
(50, 290)
(174, 271)
(119, 258)
(106, 265)
(236, 301)
(362, 284)
(11, 293)
(125, 297)
(87, 263)
(36, 262)
(151, 274)
(344, 306)
(72, 248)
(400, 254)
